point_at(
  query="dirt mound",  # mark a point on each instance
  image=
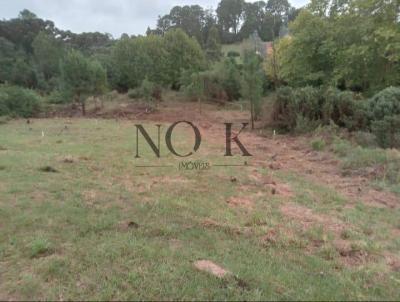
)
(212, 268)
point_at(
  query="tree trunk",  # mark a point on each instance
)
(83, 104)
(252, 114)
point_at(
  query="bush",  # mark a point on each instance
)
(387, 131)
(3, 104)
(310, 107)
(298, 109)
(147, 90)
(60, 96)
(318, 144)
(17, 101)
(228, 75)
(134, 93)
(383, 113)
(384, 103)
(284, 114)
(222, 83)
(233, 54)
(343, 109)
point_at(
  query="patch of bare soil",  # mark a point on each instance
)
(124, 111)
(240, 202)
(349, 254)
(211, 268)
(271, 184)
(392, 261)
(306, 217)
(294, 154)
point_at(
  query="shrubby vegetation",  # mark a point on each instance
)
(310, 107)
(18, 102)
(383, 115)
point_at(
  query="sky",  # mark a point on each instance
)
(110, 16)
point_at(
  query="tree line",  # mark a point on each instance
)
(234, 20)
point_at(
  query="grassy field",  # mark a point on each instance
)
(78, 220)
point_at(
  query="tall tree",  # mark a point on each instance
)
(252, 86)
(254, 13)
(230, 18)
(82, 77)
(191, 19)
(47, 53)
(183, 53)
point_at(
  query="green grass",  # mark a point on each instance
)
(318, 144)
(102, 229)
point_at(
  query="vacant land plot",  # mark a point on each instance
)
(79, 220)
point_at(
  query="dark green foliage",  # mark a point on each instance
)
(284, 113)
(207, 85)
(4, 103)
(183, 53)
(233, 54)
(213, 45)
(343, 109)
(82, 77)
(23, 74)
(295, 107)
(17, 101)
(60, 96)
(76, 73)
(384, 103)
(309, 107)
(229, 73)
(148, 91)
(48, 52)
(383, 112)
(160, 59)
(298, 109)
(7, 58)
(387, 131)
(221, 83)
(235, 19)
